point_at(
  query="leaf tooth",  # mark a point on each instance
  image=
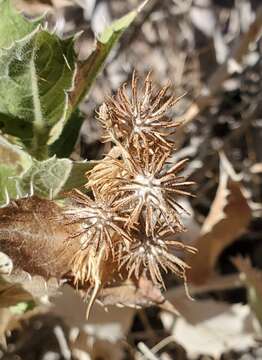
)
(31, 192)
(51, 193)
(7, 197)
(18, 189)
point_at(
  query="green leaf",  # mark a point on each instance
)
(13, 155)
(22, 307)
(115, 30)
(13, 26)
(50, 178)
(77, 177)
(7, 184)
(88, 70)
(64, 146)
(35, 75)
(20, 174)
(13, 162)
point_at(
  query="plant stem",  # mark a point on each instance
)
(39, 143)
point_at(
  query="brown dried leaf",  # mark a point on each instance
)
(20, 287)
(101, 336)
(212, 328)
(140, 294)
(5, 316)
(32, 236)
(36, 285)
(228, 218)
(12, 294)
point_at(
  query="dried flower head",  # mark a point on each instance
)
(135, 214)
(99, 177)
(153, 254)
(99, 222)
(139, 120)
(146, 187)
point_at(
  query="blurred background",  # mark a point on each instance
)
(210, 51)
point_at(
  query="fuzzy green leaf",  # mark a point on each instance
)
(13, 155)
(115, 30)
(77, 177)
(13, 26)
(35, 75)
(7, 184)
(64, 146)
(50, 178)
(13, 162)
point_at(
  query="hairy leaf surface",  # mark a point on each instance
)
(13, 162)
(12, 25)
(51, 177)
(35, 75)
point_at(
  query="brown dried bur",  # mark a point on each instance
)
(139, 190)
(145, 185)
(139, 120)
(99, 222)
(149, 254)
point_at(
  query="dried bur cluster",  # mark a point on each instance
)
(130, 223)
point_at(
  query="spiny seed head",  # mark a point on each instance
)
(153, 254)
(99, 177)
(98, 220)
(136, 190)
(147, 187)
(139, 120)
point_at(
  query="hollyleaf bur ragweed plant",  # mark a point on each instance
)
(127, 225)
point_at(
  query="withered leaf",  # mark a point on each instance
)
(212, 328)
(12, 294)
(33, 237)
(36, 285)
(140, 294)
(228, 218)
(112, 325)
